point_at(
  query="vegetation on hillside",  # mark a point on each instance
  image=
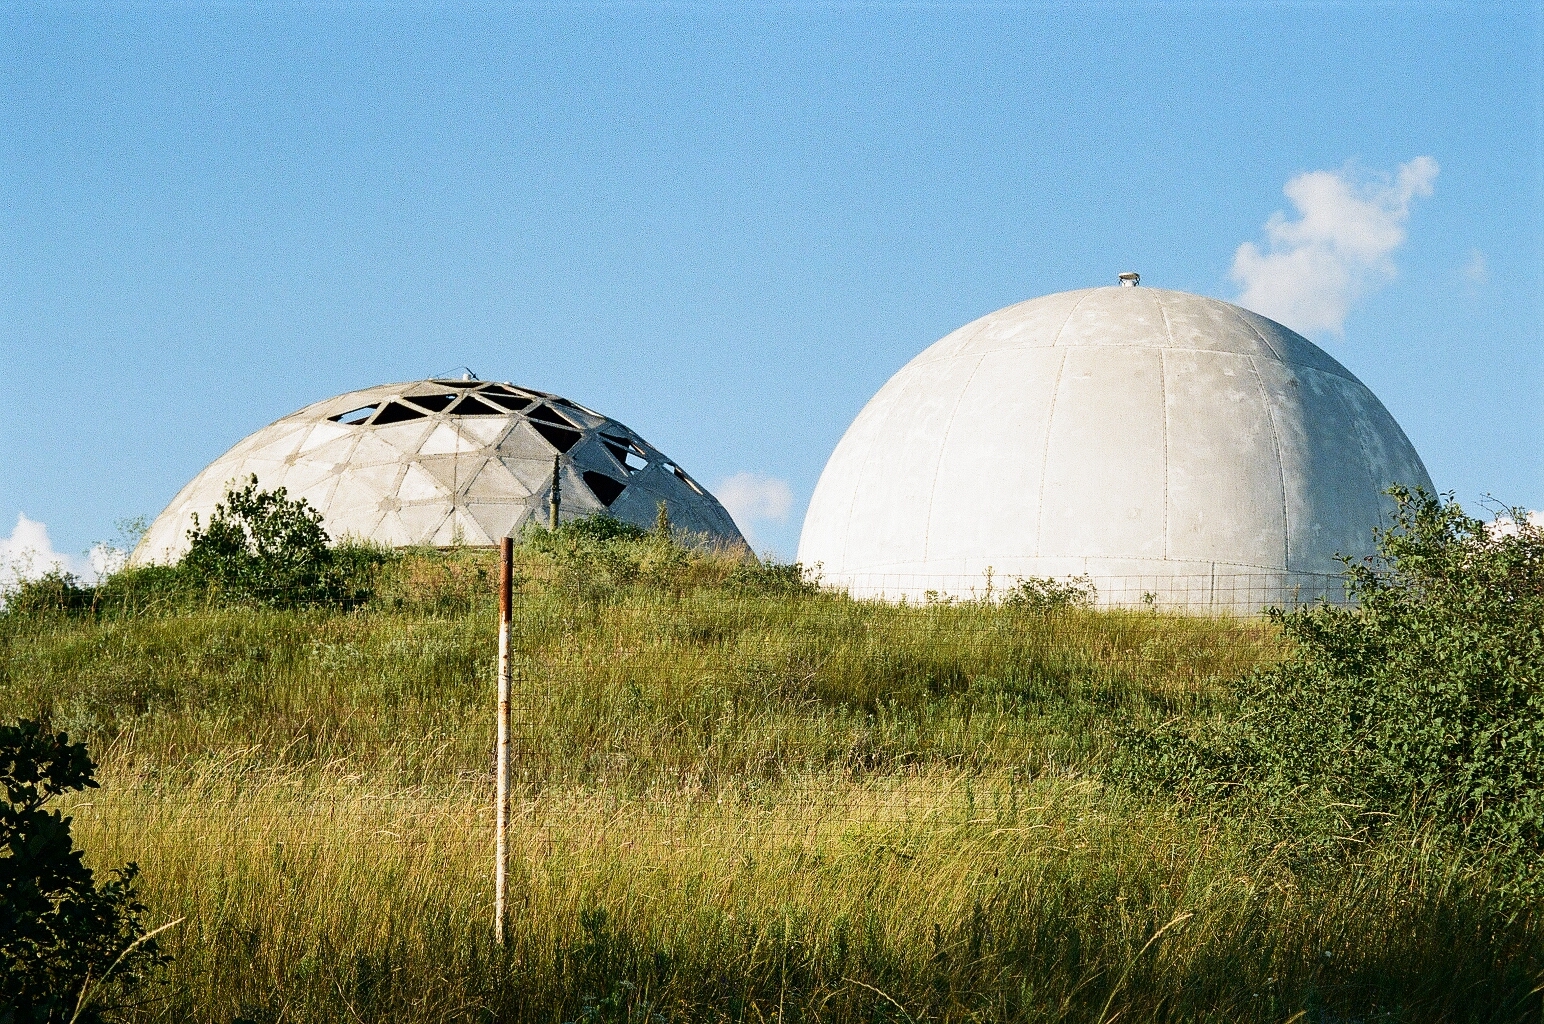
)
(1422, 707)
(741, 797)
(71, 948)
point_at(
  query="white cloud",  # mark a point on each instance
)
(29, 553)
(1506, 526)
(752, 498)
(1339, 248)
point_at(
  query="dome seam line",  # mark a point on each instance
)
(1050, 419)
(932, 493)
(1281, 468)
(1163, 396)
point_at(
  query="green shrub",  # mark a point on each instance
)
(1043, 593)
(69, 947)
(54, 593)
(1424, 704)
(267, 548)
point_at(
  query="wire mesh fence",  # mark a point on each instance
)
(1211, 592)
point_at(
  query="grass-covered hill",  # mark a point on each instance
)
(739, 798)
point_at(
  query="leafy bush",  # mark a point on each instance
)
(1043, 593)
(266, 547)
(54, 593)
(69, 947)
(1424, 704)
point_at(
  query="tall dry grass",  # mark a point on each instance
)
(732, 804)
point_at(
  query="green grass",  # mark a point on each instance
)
(732, 804)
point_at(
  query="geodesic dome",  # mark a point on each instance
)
(1176, 449)
(445, 462)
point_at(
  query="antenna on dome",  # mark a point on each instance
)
(1129, 279)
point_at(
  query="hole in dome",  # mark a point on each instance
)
(544, 412)
(512, 402)
(681, 475)
(395, 412)
(469, 406)
(457, 383)
(604, 488)
(434, 403)
(560, 438)
(626, 451)
(353, 417)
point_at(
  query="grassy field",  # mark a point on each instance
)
(733, 804)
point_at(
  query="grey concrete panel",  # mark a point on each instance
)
(1104, 474)
(436, 477)
(1225, 496)
(993, 457)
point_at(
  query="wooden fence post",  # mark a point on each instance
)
(501, 766)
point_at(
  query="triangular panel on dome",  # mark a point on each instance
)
(534, 474)
(355, 523)
(447, 440)
(312, 483)
(404, 437)
(324, 432)
(523, 442)
(338, 451)
(486, 430)
(281, 445)
(422, 522)
(418, 485)
(372, 451)
(392, 530)
(460, 528)
(452, 471)
(495, 483)
(499, 519)
(371, 483)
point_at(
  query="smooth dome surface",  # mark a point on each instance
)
(443, 462)
(1163, 443)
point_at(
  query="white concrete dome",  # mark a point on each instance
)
(444, 462)
(1176, 449)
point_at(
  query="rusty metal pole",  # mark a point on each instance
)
(557, 495)
(501, 765)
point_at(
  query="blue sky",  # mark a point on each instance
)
(728, 227)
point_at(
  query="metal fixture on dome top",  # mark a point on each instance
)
(1130, 279)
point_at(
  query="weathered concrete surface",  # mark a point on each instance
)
(1125, 433)
(446, 462)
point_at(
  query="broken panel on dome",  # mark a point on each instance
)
(434, 403)
(603, 487)
(560, 438)
(626, 451)
(681, 475)
(353, 417)
(470, 406)
(550, 415)
(396, 412)
(511, 402)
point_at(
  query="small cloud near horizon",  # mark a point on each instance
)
(751, 499)
(1338, 249)
(29, 553)
(1506, 526)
